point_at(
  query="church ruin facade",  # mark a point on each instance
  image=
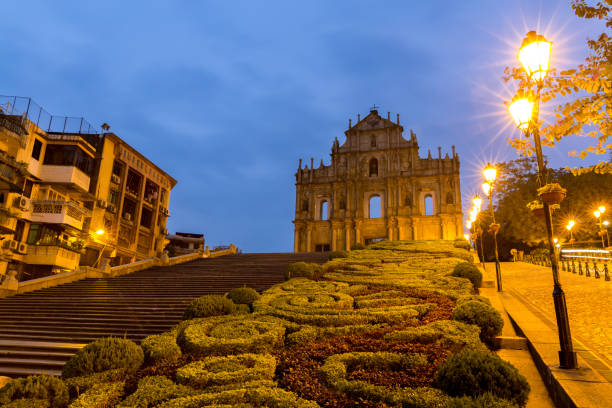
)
(376, 187)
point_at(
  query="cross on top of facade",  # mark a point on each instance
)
(373, 108)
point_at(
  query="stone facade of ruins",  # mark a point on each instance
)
(420, 198)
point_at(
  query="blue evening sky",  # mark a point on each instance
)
(227, 95)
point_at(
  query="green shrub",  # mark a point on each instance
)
(221, 371)
(104, 354)
(36, 387)
(27, 403)
(468, 271)
(473, 373)
(334, 372)
(477, 298)
(251, 397)
(160, 348)
(243, 296)
(78, 385)
(234, 334)
(337, 254)
(209, 305)
(358, 246)
(154, 390)
(452, 334)
(482, 315)
(486, 400)
(462, 243)
(102, 395)
(302, 270)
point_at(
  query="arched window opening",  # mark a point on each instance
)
(323, 215)
(429, 205)
(373, 167)
(375, 207)
(305, 205)
(373, 141)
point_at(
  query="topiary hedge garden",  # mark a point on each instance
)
(396, 324)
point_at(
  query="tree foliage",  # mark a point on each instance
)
(517, 185)
(585, 94)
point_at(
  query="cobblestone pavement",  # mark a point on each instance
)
(589, 301)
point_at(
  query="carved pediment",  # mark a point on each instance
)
(373, 121)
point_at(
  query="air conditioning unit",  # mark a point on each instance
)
(13, 245)
(102, 204)
(21, 202)
(115, 179)
(111, 208)
(22, 248)
(127, 216)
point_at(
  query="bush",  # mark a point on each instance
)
(337, 254)
(487, 400)
(302, 270)
(235, 334)
(454, 335)
(243, 296)
(358, 246)
(253, 397)
(154, 390)
(468, 271)
(78, 385)
(27, 403)
(482, 315)
(222, 371)
(104, 354)
(102, 395)
(209, 305)
(475, 373)
(477, 298)
(160, 348)
(35, 387)
(462, 243)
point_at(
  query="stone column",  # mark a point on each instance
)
(296, 239)
(308, 238)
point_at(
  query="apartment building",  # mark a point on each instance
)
(71, 195)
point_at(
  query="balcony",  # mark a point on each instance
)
(58, 212)
(13, 127)
(69, 175)
(8, 221)
(58, 255)
(12, 172)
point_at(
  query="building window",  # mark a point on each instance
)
(375, 207)
(373, 167)
(429, 205)
(27, 189)
(304, 205)
(113, 197)
(324, 209)
(36, 149)
(117, 168)
(59, 155)
(373, 141)
(129, 210)
(133, 183)
(146, 217)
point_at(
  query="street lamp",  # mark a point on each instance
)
(569, 227)
(477, 202)
(534, 54)
(490, 174)
(598, 215)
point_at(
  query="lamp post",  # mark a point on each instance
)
(477, 201)
(569, 227)
(598, 215)
(490, 174)
(534, 55)
(606, 223)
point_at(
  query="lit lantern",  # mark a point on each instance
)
(486, 188)
(534, 54)
(477, 201)
(490, 173)
(521, 109)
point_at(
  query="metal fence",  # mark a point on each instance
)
(582, 261)
(30, 110)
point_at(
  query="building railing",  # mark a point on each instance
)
(582, 261)
(26, 108)
(69, 208)
(15, 127)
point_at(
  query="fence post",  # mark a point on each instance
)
(596, 270)
(579, 267)
(606, 274)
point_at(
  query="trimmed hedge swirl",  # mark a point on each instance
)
(227, 371)
(234, 334)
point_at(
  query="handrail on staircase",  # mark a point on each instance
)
(10, 286)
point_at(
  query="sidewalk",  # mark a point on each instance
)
(527, 303)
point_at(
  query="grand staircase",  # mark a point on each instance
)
(41, 330)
